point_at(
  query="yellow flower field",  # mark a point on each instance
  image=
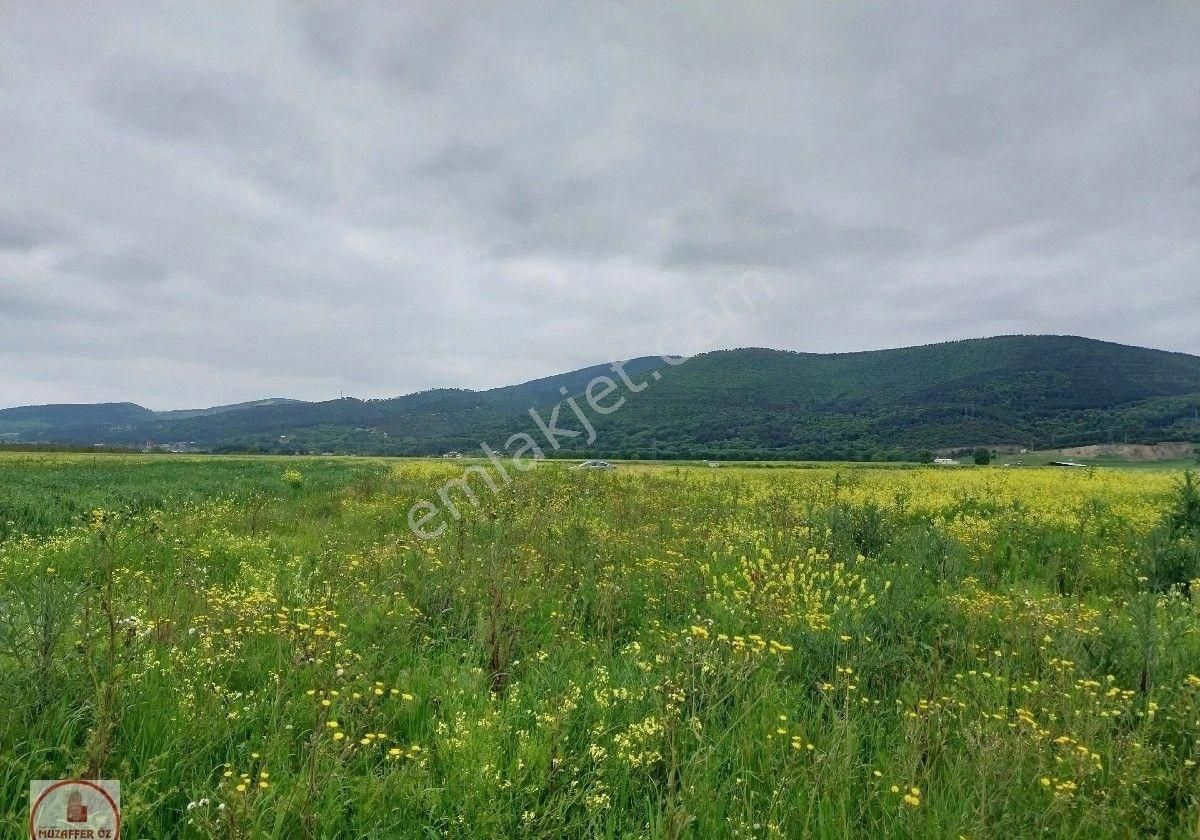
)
(261, 647)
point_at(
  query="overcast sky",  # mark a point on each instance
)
(210, 202)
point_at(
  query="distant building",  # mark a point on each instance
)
(593, 465)
(945, 462)
(452, 455)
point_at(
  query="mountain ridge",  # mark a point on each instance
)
(748, 403)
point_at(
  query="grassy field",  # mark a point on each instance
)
(259, 647)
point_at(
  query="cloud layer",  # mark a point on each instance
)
(205, 204)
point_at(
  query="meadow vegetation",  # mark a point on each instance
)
(258, 647)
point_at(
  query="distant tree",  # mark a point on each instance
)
(983, 456)
(924, 457)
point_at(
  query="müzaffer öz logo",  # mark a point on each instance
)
(75, 810)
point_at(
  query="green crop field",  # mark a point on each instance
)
(262, 648)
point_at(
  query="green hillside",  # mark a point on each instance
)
(1024, 391)
(69, 423)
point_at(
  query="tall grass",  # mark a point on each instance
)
(261, 649)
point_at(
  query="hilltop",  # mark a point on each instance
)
(1037, 392)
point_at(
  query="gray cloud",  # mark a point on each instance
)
(301, 198)
(754, 231)
(19, 232)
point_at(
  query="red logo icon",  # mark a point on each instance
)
(76, 810)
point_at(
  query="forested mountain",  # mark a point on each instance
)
(1032, 391)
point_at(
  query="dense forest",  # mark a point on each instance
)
(1020, 391)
